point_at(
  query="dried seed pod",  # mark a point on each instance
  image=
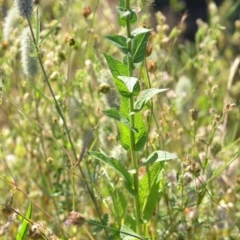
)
(194, 114)
(86, 11)
(151, 66)
(71, 41)
(148, 49)
(104, 88)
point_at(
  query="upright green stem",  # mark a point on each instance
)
(132, 135)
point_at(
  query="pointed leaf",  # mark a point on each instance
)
(122, 16)
(148, 190)
(118, 68)
(119, 41)
(115, 164)
(114, 114)
(159, 156)
(140, 136)
(120, 204)
(151, 201)
(128, 234)
(146, 96)
(98, 226)
(49, 32)
(23, 230)
(130, 82)
(139, 44)
(139, 31)
(37, 90)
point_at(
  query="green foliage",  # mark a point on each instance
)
(23, 230)
(123, 13)
(115, 164)
(114, 114)
(139, 43)
(131, 113)
(119, 41)
(140, 126)
(128, 234)
(119, 69)
(158, 156)
(149, 193)
(146, 95)
(98, 227)
(134, 48)
(120, 204)
(49, 32)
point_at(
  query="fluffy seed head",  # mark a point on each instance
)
(25, 8)
(10, 23)
(119, 153)
(29, 61)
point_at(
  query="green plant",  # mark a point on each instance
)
(117, 109)
(133, 129)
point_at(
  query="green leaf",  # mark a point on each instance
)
(139, 43)
(119, 41)
(116, 165)
(114, 114)
(98, 226)
(49, 32)
(149, 190)
(146, 95)
(139, 31)
(130, 82)
(123, 14)
(23, 230)
(158, 156)
(37, 90)
(118, 68)
(124, 131)
(130, 221)
(140, 136)
(128, 234)
(122, 3)
(120, 204)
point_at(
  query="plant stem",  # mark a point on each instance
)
(58, 108)
(132, 135)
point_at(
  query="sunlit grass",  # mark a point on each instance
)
(197, 119)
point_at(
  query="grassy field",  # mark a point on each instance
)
(111, 128)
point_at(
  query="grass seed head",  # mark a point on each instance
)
(24, 7)
(29, 61)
